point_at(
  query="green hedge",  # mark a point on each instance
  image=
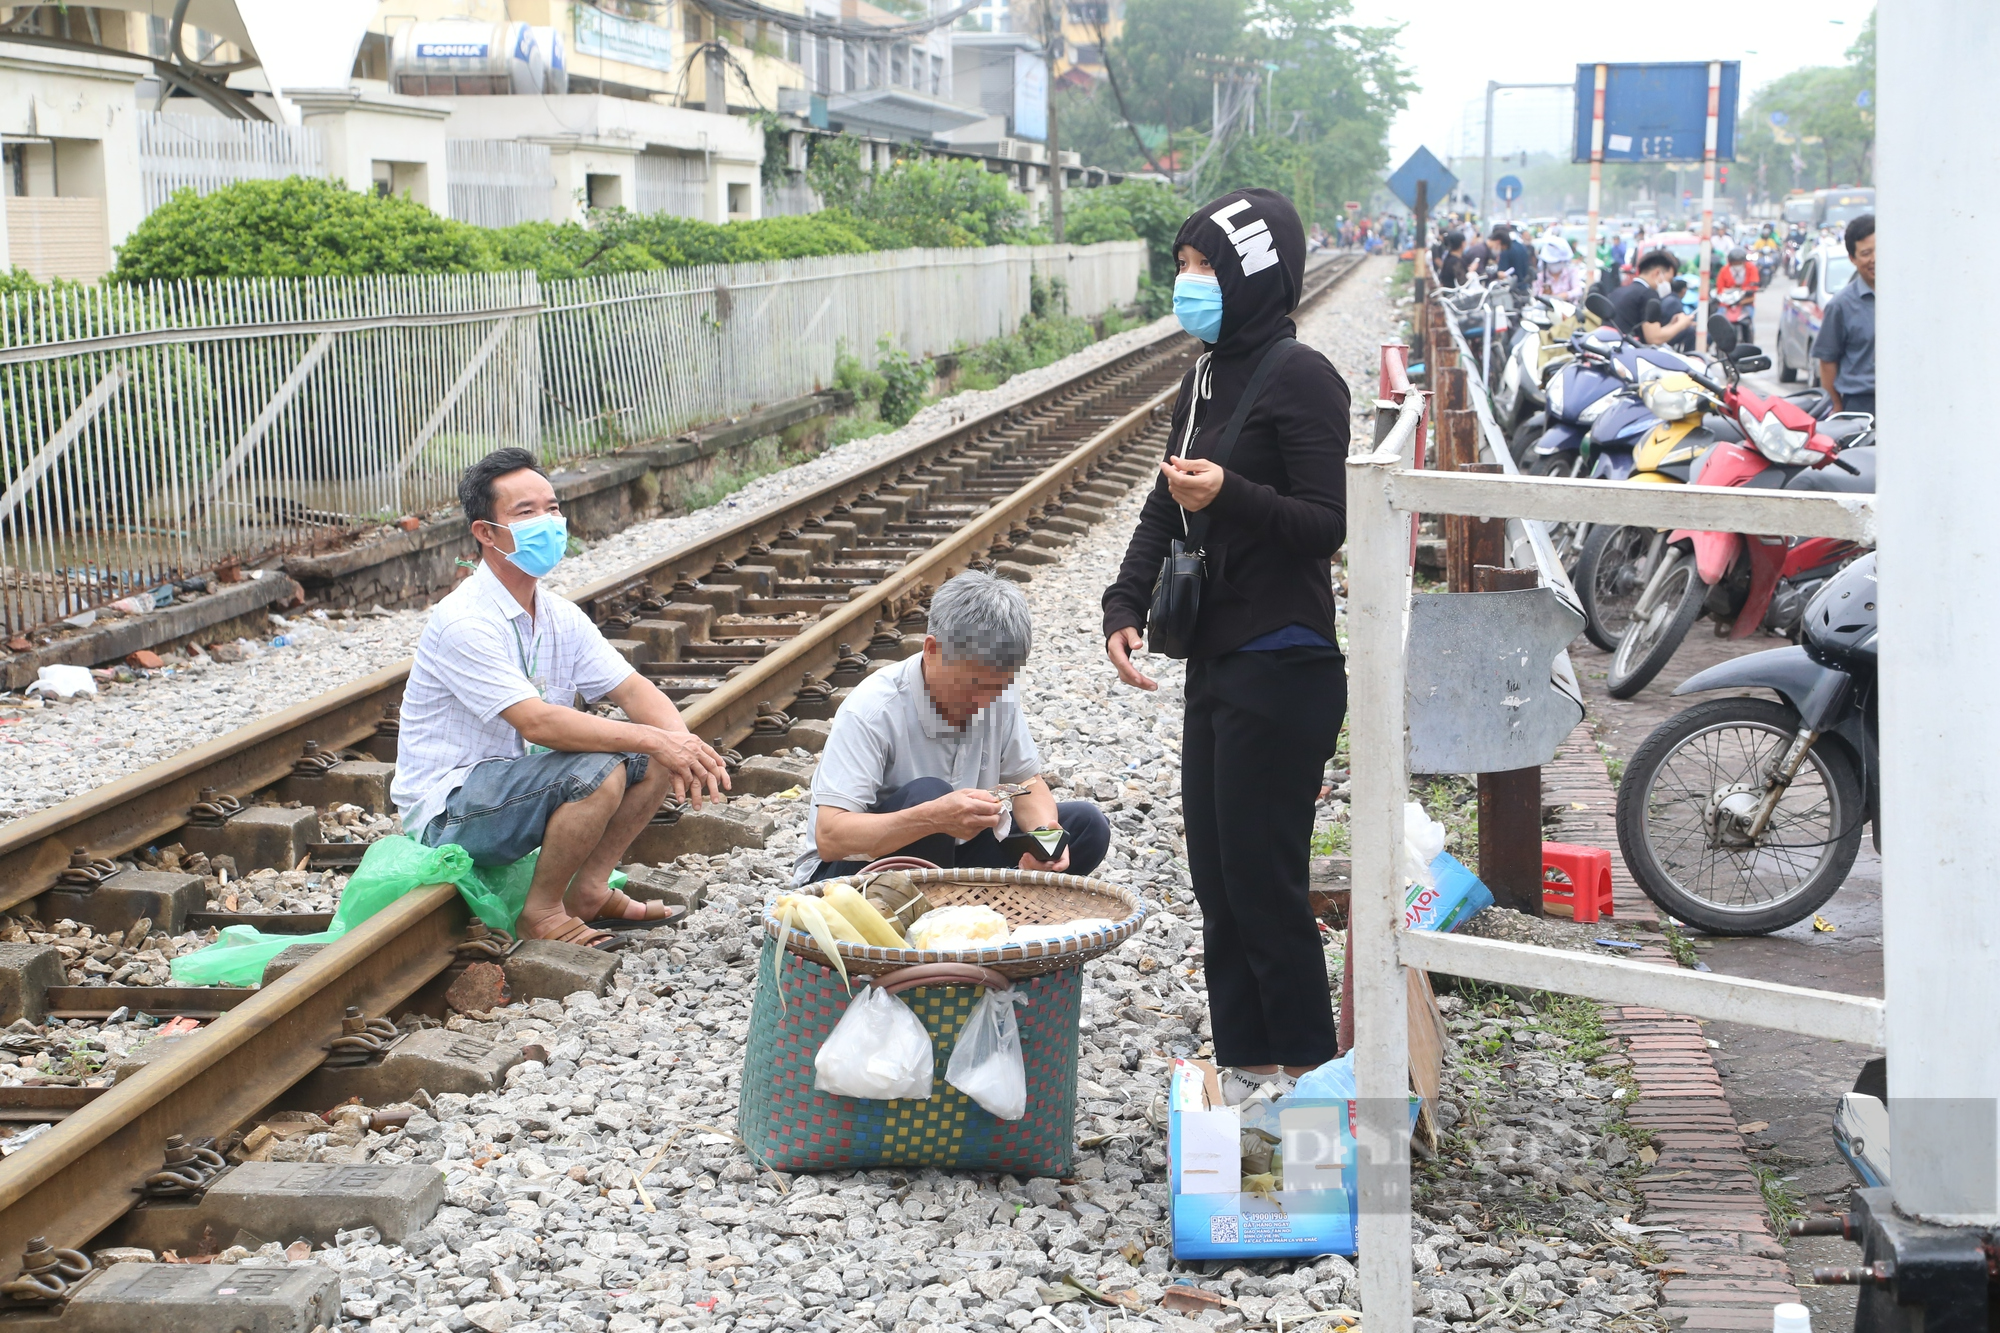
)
(301, 227)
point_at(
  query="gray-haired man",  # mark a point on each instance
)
(916, 752)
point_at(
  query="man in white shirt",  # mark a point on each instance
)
(493, 754)
(917, 752)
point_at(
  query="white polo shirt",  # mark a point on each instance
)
(888, 734)
(480, 654)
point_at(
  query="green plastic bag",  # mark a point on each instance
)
(389, 869)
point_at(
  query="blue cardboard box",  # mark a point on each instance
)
(1309, 1207)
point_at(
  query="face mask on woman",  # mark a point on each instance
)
(539, 544)
(1198, 305)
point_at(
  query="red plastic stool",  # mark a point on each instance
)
(1576, 881)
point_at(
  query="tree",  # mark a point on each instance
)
(1825, 134)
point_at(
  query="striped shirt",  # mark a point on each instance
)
(480, 654)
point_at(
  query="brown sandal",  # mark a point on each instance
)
(615, 913)
(569, 930)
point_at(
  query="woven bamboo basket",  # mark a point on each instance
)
(1024, 897)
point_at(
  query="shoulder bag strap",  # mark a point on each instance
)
(1197, 524)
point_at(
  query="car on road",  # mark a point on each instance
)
(1826, 270)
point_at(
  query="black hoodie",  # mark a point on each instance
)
(1282, 510)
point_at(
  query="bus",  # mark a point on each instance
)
(1840, 206)
(1799, 208)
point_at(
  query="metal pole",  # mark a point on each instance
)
(1708, 199)
(1596, 169)
(1379, 583)
(1940, 936)
(1486, 161)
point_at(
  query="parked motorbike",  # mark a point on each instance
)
(1745, 582)
(1541, 346)
(1738, 305)
(1742, 815)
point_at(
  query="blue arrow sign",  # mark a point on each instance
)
(1508, 188)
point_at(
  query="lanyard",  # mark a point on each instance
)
(528, 668)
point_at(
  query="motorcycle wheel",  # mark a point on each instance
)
(1566, 538)
(1611, 572)
(1647, 645)
(1674, 850)
(1525, 435)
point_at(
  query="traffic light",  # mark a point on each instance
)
(1723, 177)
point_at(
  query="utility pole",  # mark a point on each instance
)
(1052, 16)
(1486, 163)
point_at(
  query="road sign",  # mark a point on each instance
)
(1508, 189)
(1656, 113)
(1422, 166)
(1352, 206)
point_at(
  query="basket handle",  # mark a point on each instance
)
(897, 863)
(943, 974)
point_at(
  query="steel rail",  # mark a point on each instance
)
(81, 1177)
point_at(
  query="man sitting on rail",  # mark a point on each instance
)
(494, 755)
(916, 753)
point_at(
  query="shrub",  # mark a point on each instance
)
(297, 227)
(905, 383)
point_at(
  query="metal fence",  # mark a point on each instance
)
(204, 153)
(499, 182)
(149, 432)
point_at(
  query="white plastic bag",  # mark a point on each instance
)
(877, 1050)
(63, 681)
(986, 1063)
(1423, 839)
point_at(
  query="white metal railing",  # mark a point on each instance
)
(148, 432)
(1382, 493)
(499, 182)
(205, 153)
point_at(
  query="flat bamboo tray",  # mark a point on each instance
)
(1024, 897)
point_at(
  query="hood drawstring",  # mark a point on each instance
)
(1204, 383)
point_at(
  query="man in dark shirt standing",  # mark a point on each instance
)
(1636, 306)
(1846, 344)
(1512, 256)
(1451, 269)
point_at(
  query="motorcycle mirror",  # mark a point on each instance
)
(1721, 334)
(1746, 350)
(1751, 365)
(1598, 304)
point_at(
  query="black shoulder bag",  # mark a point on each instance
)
(1177, 589)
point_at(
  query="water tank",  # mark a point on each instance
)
(555, 57)
(463, 57)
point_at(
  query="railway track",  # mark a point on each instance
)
(754, 630)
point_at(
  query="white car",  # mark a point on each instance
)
(1825, 271)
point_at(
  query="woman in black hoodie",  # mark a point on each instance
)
(1266, 685)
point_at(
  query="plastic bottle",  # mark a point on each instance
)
(1791, 1318)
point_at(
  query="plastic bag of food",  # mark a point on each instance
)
(958, 928)
(877, 1050)
(65, 682)
(986, 1063)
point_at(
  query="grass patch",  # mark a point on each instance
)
(1780, 1204)
(1678, 944)
(1330, 841)
(760, 459)
(1613, 764)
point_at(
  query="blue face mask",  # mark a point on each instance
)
(1198, 305)
(539, 544)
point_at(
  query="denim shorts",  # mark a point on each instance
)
(501, 810)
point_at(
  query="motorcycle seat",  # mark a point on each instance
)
(1832, 479)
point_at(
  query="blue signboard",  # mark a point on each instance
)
(1508, 188)
(1422, 166)
(1657, 113)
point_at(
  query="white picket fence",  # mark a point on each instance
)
(148, 432)
(205, 153)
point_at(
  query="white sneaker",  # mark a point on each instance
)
(1239, 1086)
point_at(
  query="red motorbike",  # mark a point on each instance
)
(1747, 582)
